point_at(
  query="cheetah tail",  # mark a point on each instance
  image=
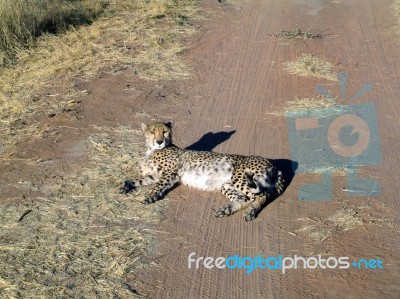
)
(280, 183)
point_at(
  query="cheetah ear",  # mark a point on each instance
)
(144, 127)
(169, 124)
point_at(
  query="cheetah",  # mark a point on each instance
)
(247, 181)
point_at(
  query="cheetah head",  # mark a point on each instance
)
(158, 135)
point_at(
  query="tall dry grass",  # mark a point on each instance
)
(23, 20)
(80, 238)
(145, 33)
(395, 10)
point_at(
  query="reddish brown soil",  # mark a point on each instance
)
(238, 79)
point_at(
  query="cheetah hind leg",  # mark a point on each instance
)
(255, 207)
(238, 202)
(231, 208)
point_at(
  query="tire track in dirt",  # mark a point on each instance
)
(239, 78)
(236, 103)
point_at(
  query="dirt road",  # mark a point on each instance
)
(234, 103)
(238, 81)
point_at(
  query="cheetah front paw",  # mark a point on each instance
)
(249, 215)
(224, 211)
(128, 187)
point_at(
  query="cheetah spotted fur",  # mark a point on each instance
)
(247, 181)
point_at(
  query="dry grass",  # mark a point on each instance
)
(395, 9)
(23, 20)
(340, 171)
(144, 34)
(307, 104)
(81, 239)
(310, 65)
(319, 102)
(297, 33)
(345, 219)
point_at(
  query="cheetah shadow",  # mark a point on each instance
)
(210, 140)
(288, 168)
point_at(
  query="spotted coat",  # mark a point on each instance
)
(247, 181)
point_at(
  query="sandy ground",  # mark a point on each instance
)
(238, 80)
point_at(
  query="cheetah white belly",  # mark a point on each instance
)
(206, 180)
